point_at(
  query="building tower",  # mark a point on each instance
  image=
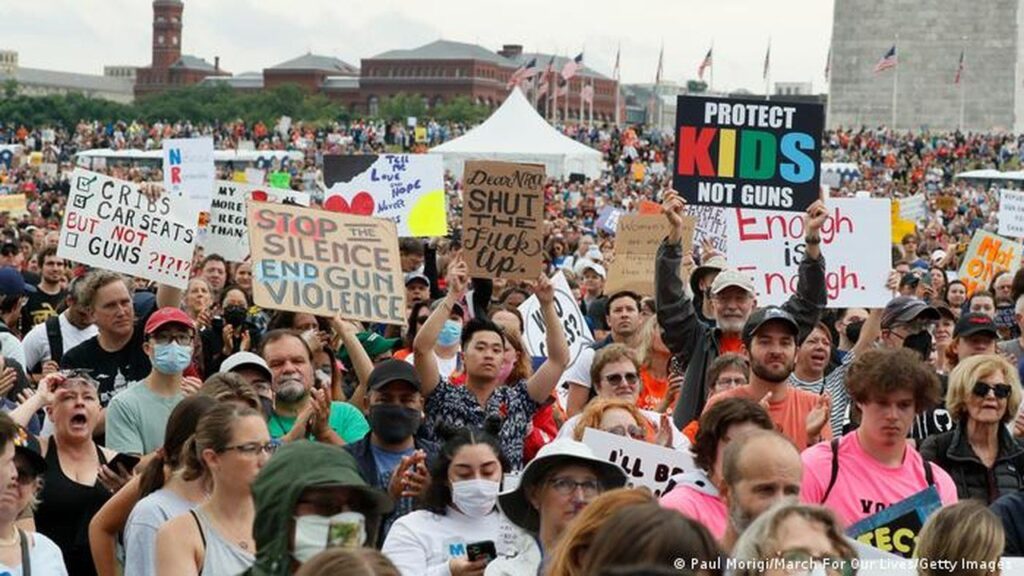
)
(166, 33)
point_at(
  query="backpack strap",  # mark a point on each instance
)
(928, 476)
(834, 445)
(55, 338)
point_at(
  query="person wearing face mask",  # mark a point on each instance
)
(460, 509)
(137, 417)
(446, 349)
(231, 332)
(391, 457)
(310, 497)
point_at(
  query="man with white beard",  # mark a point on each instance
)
(300, 409)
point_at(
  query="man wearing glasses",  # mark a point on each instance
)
(137, 417)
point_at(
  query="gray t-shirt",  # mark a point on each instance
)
(146, 518)
(1013, 348)
(136, 419)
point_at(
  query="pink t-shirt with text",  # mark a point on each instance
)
(696, 505)
(863, 485)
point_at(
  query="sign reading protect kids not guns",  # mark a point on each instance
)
(325, 263)
(987, 255)
(746, 154)
(110, 224)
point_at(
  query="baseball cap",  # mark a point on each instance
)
(730, 277)
(762, 316)
(975, 323)
(910, 280)
(413, 276)
(12, 283)
(390, 371)
(903, 309)
(591, 265)
(246, 359)
(373, 343)
(28, 446)
(716, 263)
(943, 309)
(165, 316)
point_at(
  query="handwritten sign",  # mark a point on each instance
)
(227, 232)
(574, 324)
(13, 203)
(900, 227)
(323, 263)
(745, 154)
(987, 255)
(189, 170)
(895, 528)
(645, 464)
(1011, 214)
(406, 189)
(636, 250)
(770, 245)
(608, 219)
(110, 224)
(503, 219)
(913, 208)
(709, 226)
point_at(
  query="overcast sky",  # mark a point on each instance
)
(249, 35)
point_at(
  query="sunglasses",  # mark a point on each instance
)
(1001, 391)
(631, 378)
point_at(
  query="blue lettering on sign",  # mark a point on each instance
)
(174, 156)
(456, 550)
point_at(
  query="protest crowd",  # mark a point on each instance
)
(584, 410)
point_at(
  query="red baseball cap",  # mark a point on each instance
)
(168, 315)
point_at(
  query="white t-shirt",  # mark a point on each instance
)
(679, 440)
(579, 372)
(44, 556)
(446, 367)
(37, 345)
(421, 543)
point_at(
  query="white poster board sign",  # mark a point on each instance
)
(645, 464)
(189, 170)
(1011, 214)
(913, 208)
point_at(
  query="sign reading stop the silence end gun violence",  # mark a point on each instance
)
(325, 263)
(747, 154)
(503, 219)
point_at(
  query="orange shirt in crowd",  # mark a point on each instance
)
(788, 414)
(727, 344)
(652, 391)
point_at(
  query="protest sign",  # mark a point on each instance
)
(745, 154)
(110, 224)
(769, 245)
(48, 169)
(1011, 214)
(254, 175)
(608, 219)
(324, 263)
(895, 529)
(946, 203)
(189, 170)
(913, 208)
(709, 226)
(987, 255)
(227, 232)
(502, 219)
(900, 227)
(645, 464)
(574, 323)
(406, 189)
(648, 207)
(13, 203)
(281, 180)
(636, 250)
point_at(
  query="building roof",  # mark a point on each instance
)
(341, 83)
(447, 50)
(250, 80)
(193, 63)
(69, 80)
(543, 59)
(319, 63)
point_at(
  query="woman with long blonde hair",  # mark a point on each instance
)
(571, 552)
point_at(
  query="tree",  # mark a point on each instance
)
(10, 88)
(461, 109)
(696, 86)
(401, 106)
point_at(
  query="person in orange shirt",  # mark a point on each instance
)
(770, 335)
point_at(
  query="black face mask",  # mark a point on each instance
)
(921, 343)
(235, 315)
(853, 331)
(393, 423)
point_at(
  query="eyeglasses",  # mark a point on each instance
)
(981, 390)
(734, 381)
(800, 562)
(566, 486)
(179, 339)
(252, 448)
(634, 432)
(631, 378)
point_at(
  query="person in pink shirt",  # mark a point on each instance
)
(696, 494)
(874, 466)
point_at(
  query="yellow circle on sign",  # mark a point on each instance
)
(427, 217)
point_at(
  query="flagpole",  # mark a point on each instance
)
(768, 71)
(828, 83)
(895, 81)
(618, 74)
(711, 78)
(960, 73)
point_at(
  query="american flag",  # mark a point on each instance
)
(704, 65)
(545, 78)
(959, 68)
(525, 72)
(887, 61)
(588, 94)
(563, 87)
(572, 66)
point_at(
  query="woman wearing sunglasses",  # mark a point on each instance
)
(980, 453)
(619, 417)
(231, 445)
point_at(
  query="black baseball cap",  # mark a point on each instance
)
(12, 283)
(904, 309)
(390, 371)
(975, 323)
(28, 446)
(762, 316)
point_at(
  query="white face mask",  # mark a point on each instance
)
(475, 498)
(313, 534)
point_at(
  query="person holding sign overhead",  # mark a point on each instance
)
(733, 298)
(483, 349)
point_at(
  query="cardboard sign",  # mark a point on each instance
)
(13, 203)
(608, 219)
(645, 464)
(636, 249)
(189, 170)
(1011, 214)
(110, 224)
(574, 323)
(709, 226)
(406, 189)
(227, 232)
(748, 154)
(946, 203)
(323, 263)
(503, 219)
(895, 528)
(769, 246)
(913, 208)
(987, 255)
(648, 207)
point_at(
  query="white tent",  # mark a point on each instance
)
(515, 132)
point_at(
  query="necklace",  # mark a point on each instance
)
(13, 540)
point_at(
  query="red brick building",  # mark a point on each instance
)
(169, 68)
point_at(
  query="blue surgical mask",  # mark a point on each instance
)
(171, 358)
(450, 334)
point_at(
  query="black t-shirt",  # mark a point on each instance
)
(115, 371)
(39, 307)
(934, 421)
